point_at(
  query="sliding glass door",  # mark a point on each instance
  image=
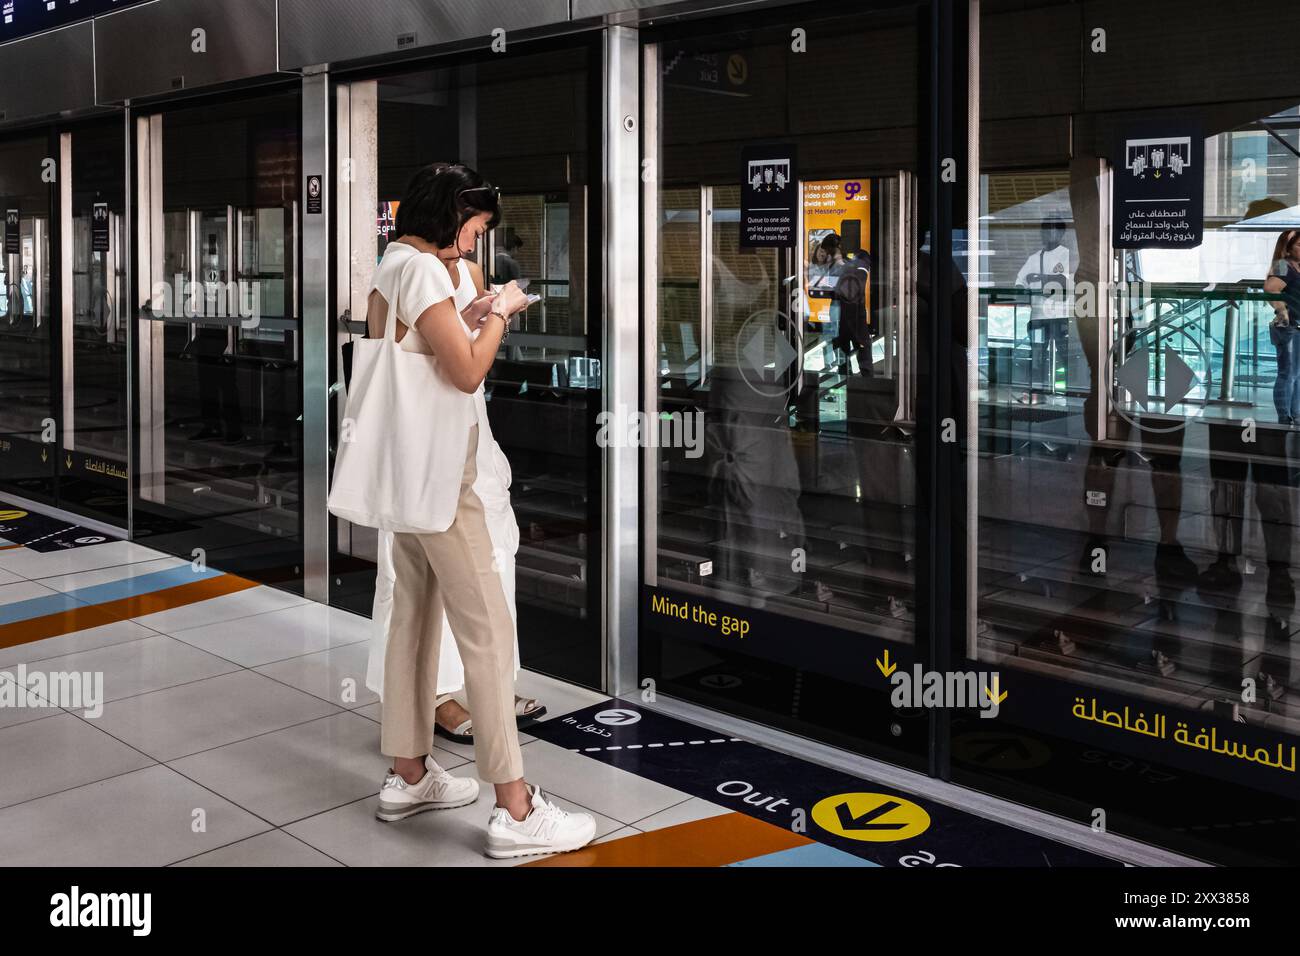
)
(780, 465)
(544, 391)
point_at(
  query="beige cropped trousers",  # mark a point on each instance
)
(452, 571)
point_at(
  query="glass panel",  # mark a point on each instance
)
(94, 480)
(680, 334)
(543, 392)
(790, 511)
(225, 296)
(28, 416)
(1137, 473)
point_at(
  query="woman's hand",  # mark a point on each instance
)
(477, 311)
(511, 299)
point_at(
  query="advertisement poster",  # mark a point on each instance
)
(839, 207)
(386, 222)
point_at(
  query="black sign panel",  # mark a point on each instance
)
(38, 532)
(709, 71)
(20, 18)
(12, 245)
(769, 196)
(99, 228)
(1159, 189)
(315, 194)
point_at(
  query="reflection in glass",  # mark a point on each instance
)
(798, 505)
(27, 401)
(221, 463)
(1136, 471)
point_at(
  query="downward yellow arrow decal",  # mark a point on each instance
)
(887, 668)
(993, 694)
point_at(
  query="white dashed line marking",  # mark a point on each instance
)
(671, 743)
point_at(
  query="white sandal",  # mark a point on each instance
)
(527, 712)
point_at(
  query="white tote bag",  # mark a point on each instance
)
(493, 489)
(404, 435)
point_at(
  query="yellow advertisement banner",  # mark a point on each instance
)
(839, 208)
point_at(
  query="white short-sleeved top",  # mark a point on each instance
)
(420, 287)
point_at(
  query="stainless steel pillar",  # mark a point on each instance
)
(317, 334)
(622, 182)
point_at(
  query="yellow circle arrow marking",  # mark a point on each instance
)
(871, 817)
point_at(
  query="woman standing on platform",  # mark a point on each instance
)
(439, 302)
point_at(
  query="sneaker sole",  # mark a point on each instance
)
(394, 814)
(516, 852)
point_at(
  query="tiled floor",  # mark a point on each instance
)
(236, 730)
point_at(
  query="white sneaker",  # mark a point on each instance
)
(436, 790)
(546, 829)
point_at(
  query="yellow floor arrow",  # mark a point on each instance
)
(993, 694)
(887, 668)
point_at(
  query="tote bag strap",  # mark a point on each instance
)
(390, 323)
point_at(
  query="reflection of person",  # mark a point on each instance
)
(1284, 281)
(1269, 465)
(435, 294)
(1048, 276)
(1163, 450)
(506, 268)
(852, 277)
(754, 483)
(25, 290)
(826, 259)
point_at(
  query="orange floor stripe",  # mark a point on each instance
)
(10, 547)
(714, 841)
(95, 615)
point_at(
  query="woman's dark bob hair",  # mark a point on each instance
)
(440, 199)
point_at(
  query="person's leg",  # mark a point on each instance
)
(411, 659)
(1227, 496)
(1294, 392)
(1282, 384)
(492, 486)
(1274, 486)
(1165, 451)
(480, 620)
